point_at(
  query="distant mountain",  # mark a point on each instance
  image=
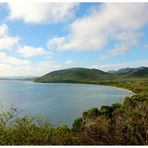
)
(19, 78)
(85, 75)
(74, 75)
(133, 72)
(124, 70)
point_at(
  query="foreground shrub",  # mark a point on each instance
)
(117, 124)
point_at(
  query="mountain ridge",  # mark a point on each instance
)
(74, 75)
(86, 75)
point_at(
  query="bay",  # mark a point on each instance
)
(59, 102)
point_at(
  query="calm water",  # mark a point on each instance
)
(61, 103)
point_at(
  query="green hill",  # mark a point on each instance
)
(116, 124)
(133, 72)
(75, 75)
(85, 75)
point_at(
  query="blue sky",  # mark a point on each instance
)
(36, 38)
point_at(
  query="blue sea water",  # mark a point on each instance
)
(59, 102)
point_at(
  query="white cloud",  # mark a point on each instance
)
(55, 43)
(10, 70)
(109, 22)
(125, 40)
(3, 30)
(37, 69)
(29, 51)
(121, 48)
(116, 66)
(12, 60)
(41, 12)
(68, 62)
(48, 63)
(7, 41)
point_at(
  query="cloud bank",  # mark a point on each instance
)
(116, 22)
(39, 13)
(109, 23)
(7, 41)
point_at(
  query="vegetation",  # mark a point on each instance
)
(117, 124)
(84, 75)
(74, 75)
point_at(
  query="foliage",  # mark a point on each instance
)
(94, 76)
(117, 124)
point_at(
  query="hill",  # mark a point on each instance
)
(75, 75)
(85, 75)
(116, 124)
(133, 72)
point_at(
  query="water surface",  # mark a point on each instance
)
(60, 102)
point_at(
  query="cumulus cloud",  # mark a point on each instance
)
(29, 51)
(13, 60)
(7, 41)
(36, 69)
(116, 22)
(109, 23)
(55, 43)
(41, 12)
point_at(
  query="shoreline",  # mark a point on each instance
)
(123, 89)
(130, 91)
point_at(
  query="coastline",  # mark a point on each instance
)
(123, 89)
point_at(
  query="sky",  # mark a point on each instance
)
(37, 38)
